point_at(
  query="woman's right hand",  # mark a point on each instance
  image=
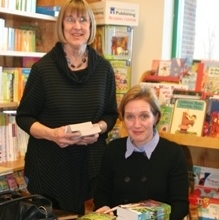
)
(63, 138)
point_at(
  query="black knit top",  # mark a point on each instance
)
(163, 177)
(55, 96)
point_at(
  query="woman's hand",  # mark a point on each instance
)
(105, 209)
(64, 139)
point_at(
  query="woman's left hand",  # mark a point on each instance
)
(85, 140)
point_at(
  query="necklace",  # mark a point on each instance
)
(83, 60)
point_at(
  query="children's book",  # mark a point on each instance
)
(166, 118)
(164, 91)
(212, 118)
(97, 216)
(164, 68)
(188, 117)
(148, 209)
(122, 71)
(118, 42)
(98, 43)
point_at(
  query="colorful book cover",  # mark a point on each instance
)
(3, 184)
(165, 119)
(164, 68)
(149, 209)
(212, 118)
(164, 91)
(118, 42)
(122, 71)
(188, 117)
(96, 216)
(177, 66)
(155, 66)
(11, 182)
(98, 43)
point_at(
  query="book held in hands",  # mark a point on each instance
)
(85, 128)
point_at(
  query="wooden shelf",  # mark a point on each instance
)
(21, 54)
(6, 105)
(194, 141)
(14, 165)
(5, 12)
(186, 140)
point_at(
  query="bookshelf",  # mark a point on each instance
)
(44, 26)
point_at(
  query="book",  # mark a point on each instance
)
(98, 43)
(96, 216)
(166, 118)
(122, 71)
(118, 42)
(164, 91)
(185, 94)
(164, 68)
(212, 118)
(85, 128)
(188, 117)
(148, 209)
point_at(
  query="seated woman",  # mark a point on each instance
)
(143, 165)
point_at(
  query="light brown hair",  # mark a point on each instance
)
(141, 92)
(80, 7)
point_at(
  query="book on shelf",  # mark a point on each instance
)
(177, 66)
(212, 118)
(166, 118)
(185, 94)
(85, 128)
(164, 68)
(122, 72)
(188, 117)
(118, 42)
(148, 209)
(164, 91)
(98, 43)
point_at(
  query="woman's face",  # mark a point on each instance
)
(139, 121)
(76, 28)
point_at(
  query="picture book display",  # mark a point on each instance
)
(188, 117)
(122, 71)
(118, 42)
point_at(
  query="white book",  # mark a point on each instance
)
(85, 128)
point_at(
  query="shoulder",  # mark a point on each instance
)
(117, 144)
(169, 147)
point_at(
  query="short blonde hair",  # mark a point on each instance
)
(141, 92)
(80, 7)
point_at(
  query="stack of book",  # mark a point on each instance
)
(97, 216)
(145, 210)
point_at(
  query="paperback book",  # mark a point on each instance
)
(118, 42)
(96, 216)
(188, 117)
(85, 128)
(145, 210)
(122, 71)
(212, 118)
(166, 118)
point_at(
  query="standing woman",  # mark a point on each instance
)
(70, 84)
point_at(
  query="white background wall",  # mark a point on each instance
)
(151, 39)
